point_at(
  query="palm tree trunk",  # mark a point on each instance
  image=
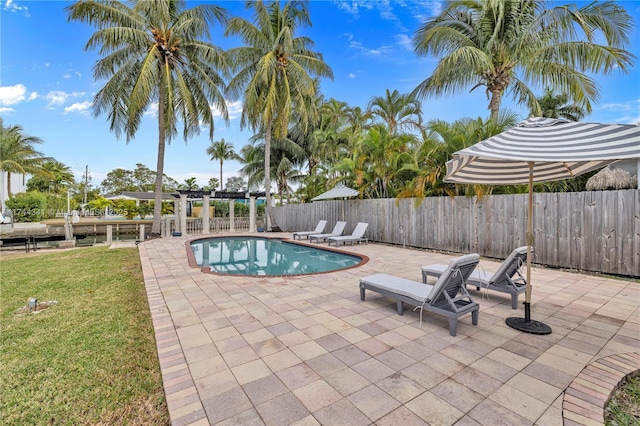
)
(494, 104)
(221, 160)
(267, 174)
(8, 184)
(157, 207)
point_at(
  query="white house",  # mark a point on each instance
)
(18, 184)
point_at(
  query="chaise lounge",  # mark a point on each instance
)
(447, 297)
(337, 231)
(319, 228)
(357, 236)
(507, 279)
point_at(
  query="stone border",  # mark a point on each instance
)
(586, 398)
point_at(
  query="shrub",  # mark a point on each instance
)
(28, 206)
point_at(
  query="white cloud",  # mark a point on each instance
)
(11, 95)
(352, 7)
(4, 110)
(405, 41)
(382, 50)
(621, 112)
(11, 6)
(233, 108)
(352, 75)
(58, 97)
(33, 95)
(66, 76)
(79, 107)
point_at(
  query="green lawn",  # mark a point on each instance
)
(89, 359)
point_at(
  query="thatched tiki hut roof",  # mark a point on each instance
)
(611, 178)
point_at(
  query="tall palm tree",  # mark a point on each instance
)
(17, 153)
(154, 54)
(513, 44)
(400, 112)
(221, 150)
(274, 72)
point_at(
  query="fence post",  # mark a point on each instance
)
(205, 213)
(141, 237)
(109, 234)
(252, 214)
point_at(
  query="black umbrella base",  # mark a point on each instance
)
(528, 326)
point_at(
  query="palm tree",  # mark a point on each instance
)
(399, 112)
(189, 184)
(221, 150)
(556, 106)
(54, 177)
(17, 153)
(440, 140)
(273, 72)
(154, 55)
(513, 44)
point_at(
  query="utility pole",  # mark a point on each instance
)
(86, 183)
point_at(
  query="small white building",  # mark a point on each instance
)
(18, 184)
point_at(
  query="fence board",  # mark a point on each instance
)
(593, 231)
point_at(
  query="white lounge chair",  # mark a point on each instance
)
(507, 279)
(319, 229)
(357, 236)
(448, 296)
(337, 231)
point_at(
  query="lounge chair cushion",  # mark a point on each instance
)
(392, 284)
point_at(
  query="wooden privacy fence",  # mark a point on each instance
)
(593, 231)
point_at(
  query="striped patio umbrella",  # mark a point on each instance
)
(541, 150)
(338, 191)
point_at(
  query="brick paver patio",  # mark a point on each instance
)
(306, 351)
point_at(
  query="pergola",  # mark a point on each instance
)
(180, 206)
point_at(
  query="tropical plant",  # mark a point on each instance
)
(144, 209)
(189, 184)
(400, 112)
(17, 153)
(274, 72)
(100, 204)
(28, 206)
(154, 55)
(553, 105)
(511, 45)
(211, 185)
(221, 150)
(54, 178)
(440, 140)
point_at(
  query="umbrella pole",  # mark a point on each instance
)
(526, 324)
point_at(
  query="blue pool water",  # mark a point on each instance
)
(266, 257)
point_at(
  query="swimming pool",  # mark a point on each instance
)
(256, 256)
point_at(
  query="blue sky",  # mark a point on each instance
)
(46, 82)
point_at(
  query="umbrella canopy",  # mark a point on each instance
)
(339, 191)
(539, 150)
(559, 150)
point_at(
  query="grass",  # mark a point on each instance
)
(89, 359)
(624, 406)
